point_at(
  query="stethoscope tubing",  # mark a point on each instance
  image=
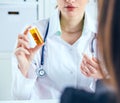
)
(43, 47)
(40, 72)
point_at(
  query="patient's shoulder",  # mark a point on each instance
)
(72, 95)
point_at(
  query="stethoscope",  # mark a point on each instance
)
(40, 72)
(92, 44)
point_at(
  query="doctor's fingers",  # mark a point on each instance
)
(95, 60)
(26, 30)
(85, 71)
(23, 43)
(91, 62)
(36, 48)
(88, 68)
(92, 69)
(24, 37)
(21, 50)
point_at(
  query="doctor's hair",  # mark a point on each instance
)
(109, 38)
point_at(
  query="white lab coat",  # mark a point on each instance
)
(61, 63)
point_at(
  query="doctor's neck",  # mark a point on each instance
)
(74, 24)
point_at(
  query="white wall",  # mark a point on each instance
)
(49, 7)
(5, 76)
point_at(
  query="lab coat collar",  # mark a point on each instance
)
(54, 24)
(90, 25)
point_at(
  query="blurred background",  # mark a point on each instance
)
(14, 16)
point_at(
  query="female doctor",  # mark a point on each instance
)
(43, 71)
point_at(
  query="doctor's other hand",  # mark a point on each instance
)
(24, 53)
(90, 67)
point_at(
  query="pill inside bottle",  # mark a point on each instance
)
(36, 35)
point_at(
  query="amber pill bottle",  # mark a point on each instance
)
(36, 36)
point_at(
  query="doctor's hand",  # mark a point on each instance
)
(90, 67)
(24, 53)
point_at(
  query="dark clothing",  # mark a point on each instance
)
(102, 95)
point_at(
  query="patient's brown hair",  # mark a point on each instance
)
(109, 38)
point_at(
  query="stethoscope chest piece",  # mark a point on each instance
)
(40, 72)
